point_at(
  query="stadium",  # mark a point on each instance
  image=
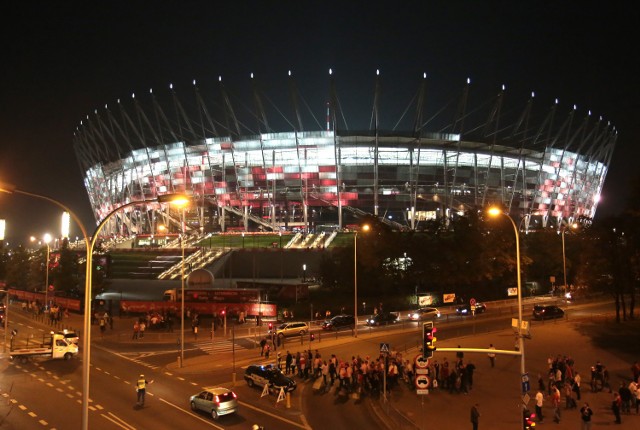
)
(250, 166)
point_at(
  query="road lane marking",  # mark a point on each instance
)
(116, 420)
(293, 423)
(192, 414)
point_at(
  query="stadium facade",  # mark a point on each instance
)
(548, 165)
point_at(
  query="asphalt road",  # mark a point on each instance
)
(46, 393)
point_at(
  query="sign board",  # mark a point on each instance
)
(552, 279)
(472, 302)
(526, 387)
(512, 292)
(421, 362)
(422, 382)
(51, 287)
(449, 298)
(384, 348)
(422, 391)
(425, 301)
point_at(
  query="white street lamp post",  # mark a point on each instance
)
(46, 239)
(495, 212)
(86, 352)
(365, 228)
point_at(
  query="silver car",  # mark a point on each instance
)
(423, 314)
(291, 329)
(215, 401)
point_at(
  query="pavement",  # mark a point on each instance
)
(496, 390)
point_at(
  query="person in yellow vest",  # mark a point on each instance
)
(141, 388)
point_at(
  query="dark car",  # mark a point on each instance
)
(383, 319)
(268, 375)
(543, 312)
(466, 309)
(338, 322)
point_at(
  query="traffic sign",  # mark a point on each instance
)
(526, 387)
(422, 382)
(421, 362)
(472, 302)
(384, 348)
(418, 391)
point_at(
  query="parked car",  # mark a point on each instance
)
(383, 319)
(290, 329)
(543, 312)
(338, 322)
(215, 401)
(268, 375)
(423, 314)
(466, 309)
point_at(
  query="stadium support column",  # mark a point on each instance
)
(223, 215)
(376, 179)
(245, 218)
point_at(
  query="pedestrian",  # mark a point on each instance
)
(475, 416)
(585, 414)
(263, 342)
(141, 388)
(615, 407)
(136, 330)
(577, 380)
(103, 327)
(267, 349)
(539, 404)
(625, 398)
(555, 400)
(143, 327)
(492, 355)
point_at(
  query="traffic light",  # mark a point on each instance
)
(428, 339)
(312, 337)
(528, 418)
(270, 326)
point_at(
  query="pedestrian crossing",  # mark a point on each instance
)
(221, 346)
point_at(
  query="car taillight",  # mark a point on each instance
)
(234, 395)
(216, 399)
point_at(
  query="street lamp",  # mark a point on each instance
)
(494, 211)
(181, 203)
(304, 273)
(564, 256)
(46, 239)
(243, 240)
(365, 228)
(86, 352)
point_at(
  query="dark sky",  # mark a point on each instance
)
(62, 60)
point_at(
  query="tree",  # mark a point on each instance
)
(18, 269)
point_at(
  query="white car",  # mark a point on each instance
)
(423, 314)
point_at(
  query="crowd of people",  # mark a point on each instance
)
(368, 375)
(563, 381)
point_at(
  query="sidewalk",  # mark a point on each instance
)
(497, 389)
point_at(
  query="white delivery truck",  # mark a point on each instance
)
(53, 345)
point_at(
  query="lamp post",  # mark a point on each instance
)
(495, 212)
(46, 238)
(564, 256)
(304, 273)
(90, 243)
(365, 228)
(182, 288)
(243, 240)
(86, 352)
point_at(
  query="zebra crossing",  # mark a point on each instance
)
(219, 346)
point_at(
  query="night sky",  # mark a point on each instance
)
(62, 60)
